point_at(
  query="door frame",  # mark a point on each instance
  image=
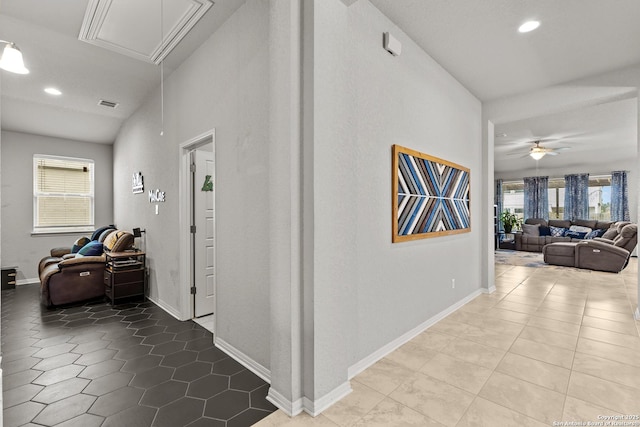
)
(186, 261)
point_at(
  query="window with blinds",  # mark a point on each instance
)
(63, 194)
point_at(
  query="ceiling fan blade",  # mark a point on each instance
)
(552, 153)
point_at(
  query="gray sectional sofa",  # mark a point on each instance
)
(534, 235)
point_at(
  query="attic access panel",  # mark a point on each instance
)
(133, 28)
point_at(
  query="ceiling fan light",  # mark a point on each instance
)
(537, 154)
(528, 26)
(11, 60)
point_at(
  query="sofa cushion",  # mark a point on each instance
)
(589, 223)
(545, 231)
(560, 223)
(603, 225)
(542, 222)
(92, 248)
(557, 231)
(611, 233)
(531, 229)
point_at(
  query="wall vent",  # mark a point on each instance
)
(109, 104)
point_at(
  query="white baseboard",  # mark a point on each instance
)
(363, 364)
(285, 405)
(491, 290)
(243, 359)
(166, 307)
(27, 282)
(315, 407)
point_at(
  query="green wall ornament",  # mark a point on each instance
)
(208, 184)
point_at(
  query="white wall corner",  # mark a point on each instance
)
(491, 290)
(166, 307)
(315, 407)
(243, 359)
(363, 364)
(291, 408)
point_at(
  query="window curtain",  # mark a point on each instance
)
(619, 196)
(499, 203)
(536, 197)
(576, 196)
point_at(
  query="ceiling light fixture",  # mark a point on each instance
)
(11, 59)
(528, 26)
(53, 91)
(537, 154)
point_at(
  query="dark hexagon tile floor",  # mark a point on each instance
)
(129, 365)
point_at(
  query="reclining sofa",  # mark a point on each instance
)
(608, 253)
(538, 232)
(72, 279)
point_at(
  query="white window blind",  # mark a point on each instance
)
(63, 194)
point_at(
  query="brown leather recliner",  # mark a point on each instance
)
(58, 254)
(80, 278)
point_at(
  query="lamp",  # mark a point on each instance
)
(11, 59)
(537, 154)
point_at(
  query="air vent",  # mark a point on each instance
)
(109, 104)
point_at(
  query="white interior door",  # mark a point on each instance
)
(204, 236)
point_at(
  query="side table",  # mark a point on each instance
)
(124, 275)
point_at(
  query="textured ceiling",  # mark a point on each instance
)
(476, 41)
(47, 33)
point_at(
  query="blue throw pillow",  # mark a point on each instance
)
(575, 234)
(557, 231)
(78, 244)
(595, 233)
(93, 248)
(545, 231)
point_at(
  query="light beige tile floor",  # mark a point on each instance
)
(550, 344)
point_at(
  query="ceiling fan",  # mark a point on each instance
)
(537, 152)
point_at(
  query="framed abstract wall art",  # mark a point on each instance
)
(430, 196)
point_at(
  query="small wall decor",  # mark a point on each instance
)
(137, 186)
(208, 184)
(430, 196)
(156, 196)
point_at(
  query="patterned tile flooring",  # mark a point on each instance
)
(550, 344)
(130, 365)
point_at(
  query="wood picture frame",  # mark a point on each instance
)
(431, 196)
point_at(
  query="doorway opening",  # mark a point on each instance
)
(197, 229)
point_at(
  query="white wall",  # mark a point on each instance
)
(369, 291)
(19, 247)
(223, 85)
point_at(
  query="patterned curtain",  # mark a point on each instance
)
(536, 197)
(619, 196)
(576, 196)
(499, 202)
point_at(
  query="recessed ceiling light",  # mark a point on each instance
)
(529, 26)
(53, 91)
(500, 135)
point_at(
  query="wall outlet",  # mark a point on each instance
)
(453, 283)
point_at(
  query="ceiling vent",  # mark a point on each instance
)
(109, 104)
(133, 28)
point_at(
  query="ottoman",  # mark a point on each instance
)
(560, 253)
